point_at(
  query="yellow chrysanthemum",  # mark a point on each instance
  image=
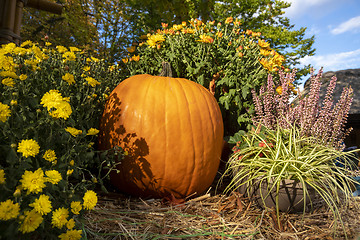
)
(8, 82)
(31, 222)
(9, 210)
(27, 43)
(2, 176)
(73, 131)
(86, 68)
(263, 44)
(92, 81)
(69, 78)
(90, 200)
(42, 204)
(4, 112)
(70, 224)
(33, 182)
(61, 49)
(53, 176)
(155, 39)
(59, 217)
(206, 39)
(62, 111)
(57, 105)
(71, 235)
(50, 155)
(28, 147)
(92, 131)
(52, 99)
(10, 74)
(69, 56)
(75, 207)
(74, 49)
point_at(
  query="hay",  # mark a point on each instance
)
(212, 216)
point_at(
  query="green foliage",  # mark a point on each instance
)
(110, 26)
(268, 157)
(222, 57)
(51, 102)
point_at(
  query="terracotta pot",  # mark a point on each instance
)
(291, 197)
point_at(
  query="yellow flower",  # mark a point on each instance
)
(2, 176)
(69, 78)
(9, 74)
(31, 221)
(4, 112)
(75, 207)
(9, 210)
(69, 56)
(13, 102)
(26, 43)
(125, 60)
(70, 224)
(263, 44)
(155, 39)
(92, 131)
(69, 172)
(86, 68)
(33, 182)
(53, 176)
(50, 155)
(90, 200)
(94, 59)
(71, 235)
(71, 163)
(53, 99)
(131, 49)
(206, 39)
(61, 49)
(59, 217)
(42, 204)
(264, 52)
(17, 192)
(8, 82)
(62, 111)
(73, 131)
(92, 81)
(279, 90)
(74, 49)
(28, 147)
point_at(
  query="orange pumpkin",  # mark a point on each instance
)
(172, 130)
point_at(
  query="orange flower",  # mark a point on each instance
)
(263, 44)
(229, 20)
(206, 39)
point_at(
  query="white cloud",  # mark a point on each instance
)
(353, 25)
(335, 61)
(301, 7)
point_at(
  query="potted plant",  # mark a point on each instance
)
(294, 150)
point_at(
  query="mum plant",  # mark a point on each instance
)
(294, 151)
(223, 57)
(50, 104)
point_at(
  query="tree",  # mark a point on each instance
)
(111, 26)
(266, 16)
(72, 28)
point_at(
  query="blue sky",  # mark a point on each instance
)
(336, 26)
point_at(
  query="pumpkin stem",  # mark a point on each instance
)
(166, 70)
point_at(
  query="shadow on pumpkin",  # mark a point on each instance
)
(133, 173)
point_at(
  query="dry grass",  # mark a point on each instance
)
(212, 217)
